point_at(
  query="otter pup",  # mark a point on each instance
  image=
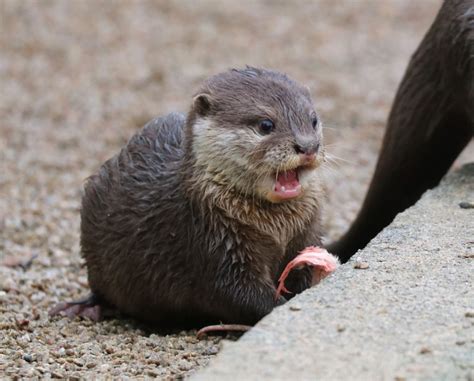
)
(196, 217)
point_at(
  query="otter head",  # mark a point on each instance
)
(256, 132)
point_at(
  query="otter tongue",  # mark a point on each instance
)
(287, 184)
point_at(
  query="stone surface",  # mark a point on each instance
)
(408, 316)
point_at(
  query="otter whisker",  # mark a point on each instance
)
(332, 156)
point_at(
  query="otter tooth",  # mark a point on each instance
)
(283, 189)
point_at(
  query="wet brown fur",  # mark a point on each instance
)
(180, 227)
(431, 121)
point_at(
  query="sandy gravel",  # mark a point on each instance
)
(77, 78)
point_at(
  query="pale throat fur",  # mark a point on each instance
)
(229, 177)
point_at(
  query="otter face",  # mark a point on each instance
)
(256, 132)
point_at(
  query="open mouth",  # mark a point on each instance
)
(287, 184)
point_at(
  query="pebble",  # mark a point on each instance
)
(104, 368)
(361, 265)
(152, 373)
(184, 365)
(28, 358)
(466, 205)
(211, 350)
(425, 350)
(56, 374)
(78, 362)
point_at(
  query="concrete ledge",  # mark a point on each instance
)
(410, 315)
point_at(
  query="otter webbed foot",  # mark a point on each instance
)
(88, 307)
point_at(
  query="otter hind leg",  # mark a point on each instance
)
(89, 307)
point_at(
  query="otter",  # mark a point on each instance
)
(194, 220)
(431, 121)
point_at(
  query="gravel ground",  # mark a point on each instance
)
(79, 78)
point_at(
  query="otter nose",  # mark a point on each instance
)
(306, 147)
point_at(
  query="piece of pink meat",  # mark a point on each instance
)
(323, 264)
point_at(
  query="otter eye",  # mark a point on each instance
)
(315, 121)
(266, 126)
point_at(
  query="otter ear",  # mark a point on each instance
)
(202, 104)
